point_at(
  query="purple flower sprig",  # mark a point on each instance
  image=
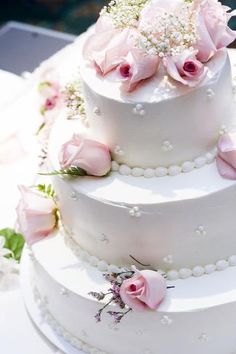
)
(116, 280)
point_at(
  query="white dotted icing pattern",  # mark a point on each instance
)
(173, 274)
(174, 170)
(60, 331)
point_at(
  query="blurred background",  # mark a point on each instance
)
(71, 16)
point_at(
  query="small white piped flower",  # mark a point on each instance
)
(210, 93)
(73, 196)
(63, 292)
(168, 259)
(167, 146)
(166, 320)
(203, 337)
(97, 111)
(139, 110)
(135, 211)
(201, 231)
(118, 150)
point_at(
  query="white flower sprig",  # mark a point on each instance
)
(170, 33)
(124, 13)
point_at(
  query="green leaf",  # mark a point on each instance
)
(72, 171)
(14, 242)
(46, 189)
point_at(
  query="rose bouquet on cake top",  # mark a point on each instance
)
(134, 38)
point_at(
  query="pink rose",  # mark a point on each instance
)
(36, 215)
(212, 28)
(90, 155)
(146, 289)
(185, 68)
(136, 67)
(107, 46)
(226, 159)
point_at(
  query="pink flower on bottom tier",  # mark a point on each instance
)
(146, 289)
(89, 155)
(185, 68)
(212, 28)
(226, 159)
(136, 67)
(36, 215)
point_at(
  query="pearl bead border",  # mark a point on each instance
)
(172, 170)
(182, 273)
(59, 330)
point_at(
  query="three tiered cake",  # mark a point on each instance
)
(140, 230)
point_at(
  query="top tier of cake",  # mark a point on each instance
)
(157, 109)
(163, 123)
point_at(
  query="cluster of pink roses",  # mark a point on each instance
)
(111, 48)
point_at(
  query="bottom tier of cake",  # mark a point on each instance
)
(197, 316)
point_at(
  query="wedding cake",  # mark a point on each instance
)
(132, 243)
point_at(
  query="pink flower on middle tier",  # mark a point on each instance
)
(136, 67)
(185, 68)
(89, 155)
(226, 159)
(36, 215)
(212, 28)
(146, 289)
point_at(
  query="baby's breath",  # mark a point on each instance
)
(170, 33)
(124, 13)
(74, 99)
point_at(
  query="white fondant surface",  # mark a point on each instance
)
(200, 311)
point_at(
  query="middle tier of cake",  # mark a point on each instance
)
(182, 224)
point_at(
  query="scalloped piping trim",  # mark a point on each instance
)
(173, 274)
(60, 331)
(172, 170)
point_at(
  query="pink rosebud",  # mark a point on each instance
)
(36, 215)
(90, 155)
(50, 103)
(213, 31)
(49, 89)
(146, 289)
(185, 68)
(226, 159)
(137, 67)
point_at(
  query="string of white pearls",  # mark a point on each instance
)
(174, 170)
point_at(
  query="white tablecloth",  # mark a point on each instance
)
(18, 121)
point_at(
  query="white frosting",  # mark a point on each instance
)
(163, 123)
(186, 319)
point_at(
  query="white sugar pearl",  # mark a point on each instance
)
(222, 265)
(185, 273)
(139, 107)
(187, 166)
(232, 260)
(210, 268)
(137, 172)
(174, 170)
(125, 170)
(161, 171)
(198, 271)
(93, 260)
(149, 172)
(200, 161)
(102, 266)
(84, 255)
(173, 275)
(115, 166)
(209, 157)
